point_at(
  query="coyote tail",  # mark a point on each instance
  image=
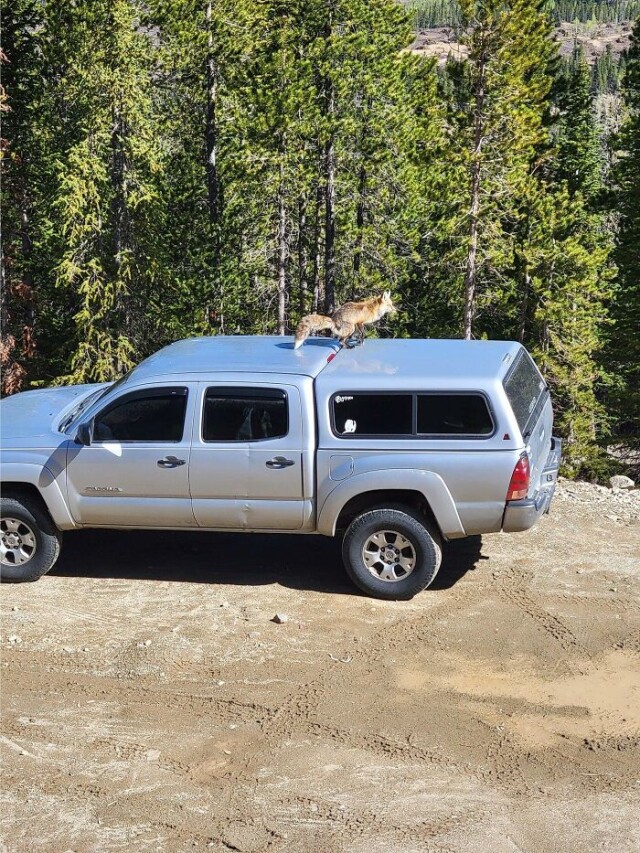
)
(312, 323)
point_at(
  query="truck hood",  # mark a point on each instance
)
(33, 414)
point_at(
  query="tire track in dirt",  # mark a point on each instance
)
(295, 717)
(383, 746)
(614, 604)
(365, 822)
(512, 587)
(507, 760)
(212, 709)
(630, 643)
(418, 630)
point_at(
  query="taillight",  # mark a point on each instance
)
(519, 484)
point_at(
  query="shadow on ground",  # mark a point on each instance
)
(298, 562)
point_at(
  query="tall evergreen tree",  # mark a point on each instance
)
(578, 155)
(104, 215)
(205, 52)
(565, 253)
(497, 126)
(623, 348)
(22, 165)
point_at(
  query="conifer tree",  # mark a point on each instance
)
(624, 345)
(578, 155)
(104, 216)
(206, 54)
(565, 252)
(19, 57)
(496, 130)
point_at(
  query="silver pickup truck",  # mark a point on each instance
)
(396, 446)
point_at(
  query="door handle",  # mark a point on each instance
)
(279, 462)
(170, 462)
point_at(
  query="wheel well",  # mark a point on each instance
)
(28, 491)
(368, 500)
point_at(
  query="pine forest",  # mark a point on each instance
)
(197, 167)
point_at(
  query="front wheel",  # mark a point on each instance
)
(29, 540)
(390, 553)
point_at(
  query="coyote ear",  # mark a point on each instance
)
(386, 294)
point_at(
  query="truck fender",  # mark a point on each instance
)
(48, 487)
(429, 484)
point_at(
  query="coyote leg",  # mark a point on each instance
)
(346, 331)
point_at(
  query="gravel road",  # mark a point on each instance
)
(150, 703)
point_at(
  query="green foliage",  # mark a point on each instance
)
(602, 11)
(607, 72)
(567, 253)
(442, 13)
(579, 159)
(496, 135)
(623, 346)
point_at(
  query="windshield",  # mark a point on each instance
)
(75, 413)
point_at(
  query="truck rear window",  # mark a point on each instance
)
(524, 387)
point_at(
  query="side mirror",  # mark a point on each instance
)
(83, 436)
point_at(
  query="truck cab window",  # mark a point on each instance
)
(148, 416)
(244, 414)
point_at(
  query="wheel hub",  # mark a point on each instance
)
(389, 556)
(17, 542)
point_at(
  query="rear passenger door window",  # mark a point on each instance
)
(241, 414)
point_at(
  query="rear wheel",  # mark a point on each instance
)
(390, 552)
(29, 540)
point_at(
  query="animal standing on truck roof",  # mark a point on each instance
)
(346, 321)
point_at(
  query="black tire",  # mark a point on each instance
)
(29, 540)
(385, 531)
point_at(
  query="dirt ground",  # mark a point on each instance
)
(149, 703)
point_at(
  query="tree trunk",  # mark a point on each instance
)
(523, 276)
(211, 130)
(28, 329)
(303, 283)
(471, 271)
(330, 188)
(330, 226)
(123, 306)
(118, 178)
(282, 255)
(357, 255)
(317, 253)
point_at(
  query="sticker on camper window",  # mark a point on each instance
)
(349, 426)
(340, 399)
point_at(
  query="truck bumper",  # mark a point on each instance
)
(522, 515)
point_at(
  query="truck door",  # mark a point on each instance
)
(246, 458)
(135, 472)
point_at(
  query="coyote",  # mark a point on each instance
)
(347, 320)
